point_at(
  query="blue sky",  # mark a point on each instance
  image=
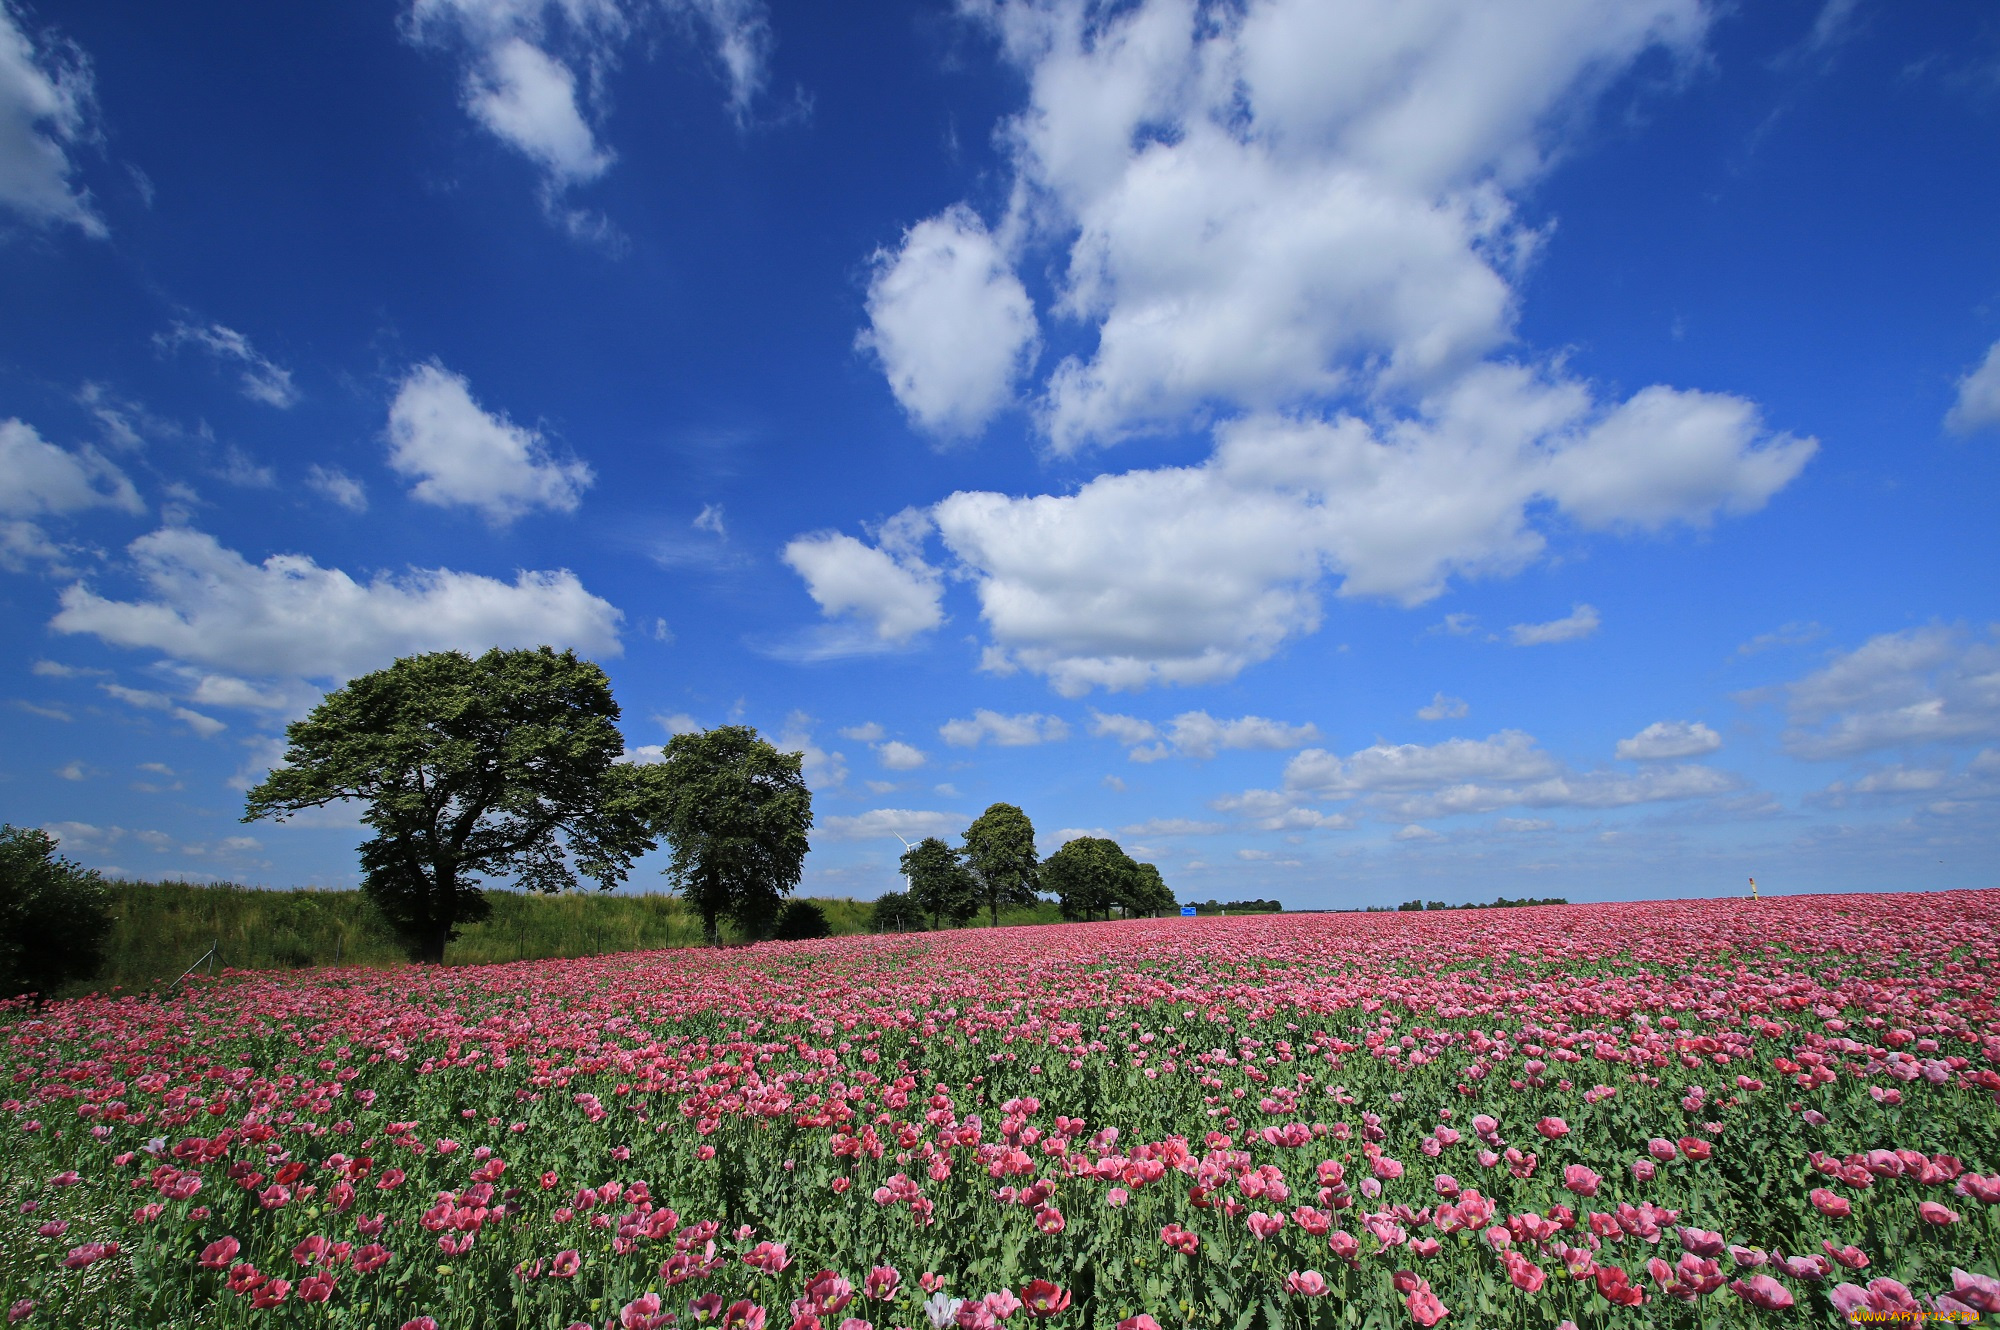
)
(1345, 451)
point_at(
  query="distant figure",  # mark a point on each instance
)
(1753, 888)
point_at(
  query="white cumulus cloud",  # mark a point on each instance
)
(527, 99)
(1018, 731)
(950, 323)
(886, 586)
(1293, 224)
(520, 62)
(1190, 574)
(46, 109)
(260, 379)
(147, 700)
(1441, 707)
(38, 480)
(1898, 690)
(1977, 406)
(1410, 782)
(1665, 740)
(289, 617)
(37, 477)
(336, 486)
(460, 454)
(899, 756)
(888, 823)
(1199, 735)
(1579, 623)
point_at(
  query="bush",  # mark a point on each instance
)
(801, 921)
(895, 912)
(55, 916)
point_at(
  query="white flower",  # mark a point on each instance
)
(942, 1310)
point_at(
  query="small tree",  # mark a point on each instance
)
(942, 888)
(55, 916)
(736, 812)
(506, 765)
(893, 913)
(1000, 851)
(801, 921)
(1090, 875)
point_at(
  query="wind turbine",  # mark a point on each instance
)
(907, 847)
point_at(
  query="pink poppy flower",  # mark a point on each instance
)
(1308, 1283)
(1581, 1180)
(1762, 1291)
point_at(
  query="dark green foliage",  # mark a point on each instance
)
(159, 928)
(1502, 903)
(736, 812)
(894, 912)
(502, 766)
(1091, 876)
(1000, 851)
(1237, 907)
(1150, 895)
(942, 888)
(801, 921)
(53, 915)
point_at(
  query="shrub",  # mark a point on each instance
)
(54, 915)
(801, 921)
(895, 912)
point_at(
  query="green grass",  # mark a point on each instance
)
(160, 928)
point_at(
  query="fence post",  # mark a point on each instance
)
(208, 956)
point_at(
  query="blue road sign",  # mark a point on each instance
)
(1187, 911)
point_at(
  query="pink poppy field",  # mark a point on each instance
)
(1686, 1113)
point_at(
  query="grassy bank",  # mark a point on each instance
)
(160, 928)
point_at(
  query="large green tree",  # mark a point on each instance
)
(1000, 851)
(54, 915)
(1149, 893)
(504, 765)
(736, 812)
(942, 888)
(1091, 876)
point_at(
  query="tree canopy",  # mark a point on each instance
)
(55, 916)
(1149, 893)
(1090, 876)
(801, 921)
(736, 812)
(942, 888)
(1000, 851)
(504, 765)
(894, 913)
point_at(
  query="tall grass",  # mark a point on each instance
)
(161, 928)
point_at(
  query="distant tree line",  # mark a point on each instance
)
(1237, 907)
(1091, 877)
(1502, 903)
